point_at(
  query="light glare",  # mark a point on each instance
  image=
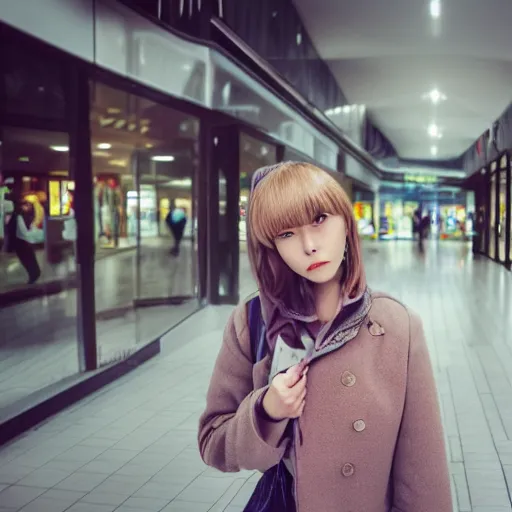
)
(435, 9)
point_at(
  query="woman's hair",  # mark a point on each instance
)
(289, 195)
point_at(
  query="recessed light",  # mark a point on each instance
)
(162, 158)
(433, 150)
(23, 159)
(61, 149)
(433, 130)
(435, 96)
(435, 9)
(104, 145)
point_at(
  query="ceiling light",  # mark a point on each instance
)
(162, 158)
(104, 154)
(433, 130)
(435, 9)
(185, 182)
(62, 149)
(346, 109)
(433, 150)
(104, 145)
(435, 96)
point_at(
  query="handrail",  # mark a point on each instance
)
(310, 111)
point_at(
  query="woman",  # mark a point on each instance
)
(366, 431)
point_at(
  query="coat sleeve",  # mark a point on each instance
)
(232, 435)
(421, 479)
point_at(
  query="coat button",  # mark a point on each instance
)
(348, 379)
(359, 425)
(347, 469)
(375, 329)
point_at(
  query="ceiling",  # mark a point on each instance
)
(388, 54)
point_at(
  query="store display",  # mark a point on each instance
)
(452, 220)
(363, 213)
(109, 212)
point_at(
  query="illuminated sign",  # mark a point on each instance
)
(423, 179)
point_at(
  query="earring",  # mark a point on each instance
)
(345, 254)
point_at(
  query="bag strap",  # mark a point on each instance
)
(257, 329)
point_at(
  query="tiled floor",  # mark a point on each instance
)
(38, 338)
(132, 446)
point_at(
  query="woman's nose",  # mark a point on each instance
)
(308, 243)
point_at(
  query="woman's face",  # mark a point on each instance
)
(314, 251)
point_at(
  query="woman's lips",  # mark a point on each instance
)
(314, 266)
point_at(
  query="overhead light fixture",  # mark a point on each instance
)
(435, 9)
(435, 96)
(104, 145)
(185, 182)
(104, 154)
(433, 130)
(433, 150)
(162, 158)
(61, 149)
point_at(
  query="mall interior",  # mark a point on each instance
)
(120, 116)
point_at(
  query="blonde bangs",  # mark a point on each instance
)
(292, 195)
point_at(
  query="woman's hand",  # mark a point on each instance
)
(286, 396)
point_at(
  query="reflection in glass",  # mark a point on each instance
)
(226, 277)
(492, 213)
(253, 155)
(502, 215)
(144, 164)
(38, 338)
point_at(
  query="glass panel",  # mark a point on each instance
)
(239, 95)
(38, 337)
(144, 164)
(363, 207)
(32, 85)
(492, 213)
(253, 155)
(503, 215)
(135, 47)
(225, 266)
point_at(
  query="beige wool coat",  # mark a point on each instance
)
(372, 439)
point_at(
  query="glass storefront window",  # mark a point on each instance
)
(38, 281)
(363, 212)
(363, 206)
(253, 155)
(452, 220)
(144, 165)
(502, 220)
(492, 214)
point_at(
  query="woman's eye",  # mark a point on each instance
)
(286, 234)
(320, 218)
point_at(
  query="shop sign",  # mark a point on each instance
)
(423, 179)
